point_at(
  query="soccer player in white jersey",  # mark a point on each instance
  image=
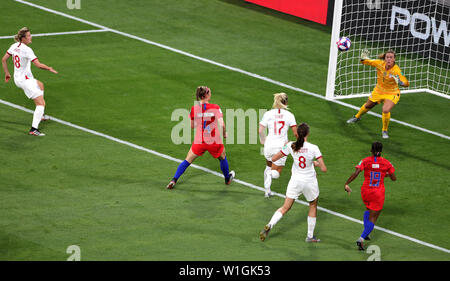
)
(22, 56)
(303, 180)
(278, 121)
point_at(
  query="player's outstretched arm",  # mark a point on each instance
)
(40, 65)
(262, 134)
(350, 179)
(5, 67)
(392, 176)
(321, 164)
(294, 130)
(222, 125)
(277, 156)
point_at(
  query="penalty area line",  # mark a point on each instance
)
(60, 33)
(219, 174)
(235, 69)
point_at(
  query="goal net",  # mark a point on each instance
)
(417, 30)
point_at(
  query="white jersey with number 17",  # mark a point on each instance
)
(278, 122)
(22, 56)
(303, 166)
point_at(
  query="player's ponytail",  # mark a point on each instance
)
(302, 131)
(201, 92)
(280, 101)
(21, 34)
(377, 148)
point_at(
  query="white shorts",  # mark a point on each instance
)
(309, 188)
(31, 88)
(270, 151)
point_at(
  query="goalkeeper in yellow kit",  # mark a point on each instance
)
(389, 78)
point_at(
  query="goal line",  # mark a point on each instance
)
(403, 92)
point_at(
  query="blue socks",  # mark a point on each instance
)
(368, 225)
(181, 168)
(185, 164)
(224, 168)
(366, 216)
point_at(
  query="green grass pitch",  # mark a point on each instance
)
(75, 188)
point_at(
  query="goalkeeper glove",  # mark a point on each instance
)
(398, 80)
(365, 54)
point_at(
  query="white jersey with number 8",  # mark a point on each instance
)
(303, 166)
(22, 56)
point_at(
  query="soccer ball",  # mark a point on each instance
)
(344, 44)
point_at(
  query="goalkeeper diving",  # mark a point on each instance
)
(389, 78)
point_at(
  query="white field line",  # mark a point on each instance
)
(220, 175)
(60, 33)
(225, 66)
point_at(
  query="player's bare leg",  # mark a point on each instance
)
(191, 156)
(370, 104)
(312, 215)
(39, 101)
(278, 169)
(373, 215)
(40, 84)
(288, 202)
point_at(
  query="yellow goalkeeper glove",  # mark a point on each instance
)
(365, 54)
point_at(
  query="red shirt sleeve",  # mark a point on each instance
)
(219, 113)
(191, 114)
(391, 168)
(360, 165)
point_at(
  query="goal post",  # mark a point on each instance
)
(417, 30)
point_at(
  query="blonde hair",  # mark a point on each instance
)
(280, 101)
(383, 55)
(21, 34)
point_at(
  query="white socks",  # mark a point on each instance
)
(275, 218)
(311, 226)
(278, 215)
(37, 116)
(269, 174)
(275, 174)
(267, 179)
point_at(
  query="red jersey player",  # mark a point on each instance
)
(207, 119)
(375, 168)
